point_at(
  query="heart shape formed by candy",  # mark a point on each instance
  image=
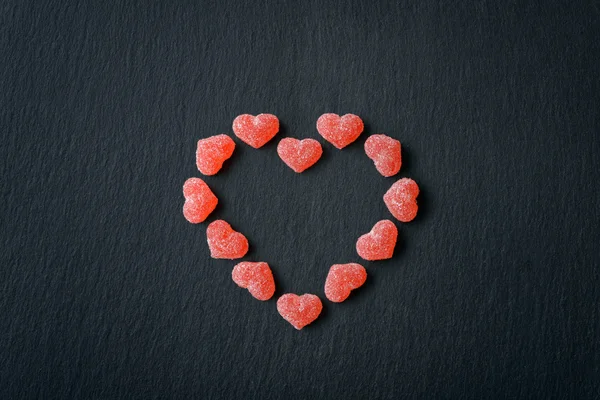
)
(299, 310)
(212, 152)
(256, 277)
(385, 153)
(401, 199)
(256, 131)
(342, 279)
(224, 242)
(200, 201)
(340, 131)
(299, 154)
(379, 243)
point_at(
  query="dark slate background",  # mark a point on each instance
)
(107, 292)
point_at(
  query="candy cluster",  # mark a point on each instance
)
(226, 243)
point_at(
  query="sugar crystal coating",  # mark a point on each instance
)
(340, 131)
(385, 153)
(401, 199)
(342, 279)
(299, 154)
(200, 201)
(299, 310)
(379, 243)
(224, 242)
(256, 277)
(256, 131)
(212, 152)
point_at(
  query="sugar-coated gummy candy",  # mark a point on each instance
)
(385, 153)
(212, 152)
(299, 154)
(401, 199)
(379, 243)
(340, 131)
(342, 279)
(256, 131)
(299, 310)
(224, 242)
(256, 277)
(200, 201)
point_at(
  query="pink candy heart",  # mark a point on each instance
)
(385, 153)
(299, 310)
(256, 131)
(256, 277)
(401, 199)
(299, 154)
(212, 152)
(200, 201)
(340, 131)
(379, 243)
(342, 279)
(224, 242)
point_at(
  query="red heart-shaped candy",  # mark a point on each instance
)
(200, 201)
(224, 242)
(385, 153)
(212, 152)
(379, 243)
(256, 277)
(299, 154)
(299, 310)
(256, 131)
(342, 279)
(401, 199)
(340, 131)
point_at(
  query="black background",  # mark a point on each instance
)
(107, 292)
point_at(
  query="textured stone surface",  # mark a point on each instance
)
(106, 292)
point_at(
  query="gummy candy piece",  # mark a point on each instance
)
(340, 131)
(256, 277)
(342, 279)
(299, 310)
(256, 131)
(385, 153)
(200, 201)
(299, 154)
(401, 199)
(212, 153)
(224, 242)
(379, 243)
